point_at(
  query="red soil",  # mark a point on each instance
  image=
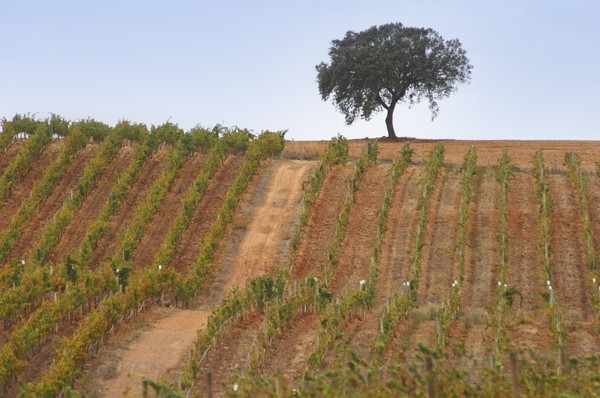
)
(161, 221)
(90, 208)
(9, 206)
(43, 214)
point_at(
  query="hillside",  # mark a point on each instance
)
(253, 269)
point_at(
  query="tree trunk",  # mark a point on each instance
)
(389, 120)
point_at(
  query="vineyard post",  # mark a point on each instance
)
(514, 368)
(430, 379)
(209, 385)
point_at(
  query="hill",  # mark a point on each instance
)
(347, 256)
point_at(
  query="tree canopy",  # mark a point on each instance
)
(375, 69)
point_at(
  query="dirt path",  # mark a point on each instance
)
(470, 335)
(87, 213)
(570, 276)
(189, 245)
(357, 246)
(9, 206)
(527, 325)
(161, 221)
(43, 214)
(312, 253)
(119, 221)
(273, 210)
(153, 347)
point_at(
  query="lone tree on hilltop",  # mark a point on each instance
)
(383, 65)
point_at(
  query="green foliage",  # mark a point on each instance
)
(70, 269)
(92, 129)
(338, 149)
(199, 137)
(21, 124)
(383, 65)
(236, 139)
(136, 132)
(166, 133)
(357, 378)
(59, 125)
(261, 289)
(271, 143)
(509, 294)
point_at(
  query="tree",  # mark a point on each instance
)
(384, 65)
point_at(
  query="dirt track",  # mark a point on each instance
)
(153, 347)
(269, 227)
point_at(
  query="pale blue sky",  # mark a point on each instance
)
(252, 64)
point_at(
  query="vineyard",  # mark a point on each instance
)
(138, 261)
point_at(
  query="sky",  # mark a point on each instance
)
(251, 64)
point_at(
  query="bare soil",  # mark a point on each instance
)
(472, 335)
(229, 357)
(357, 246)
(312, 253)
(290, 352)
(399, 237)
(149, 347)
(10, 205)
(161, 221)
(438, 265)
(527, 324)
(570, 273)
(267, 228)
(594, 212)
